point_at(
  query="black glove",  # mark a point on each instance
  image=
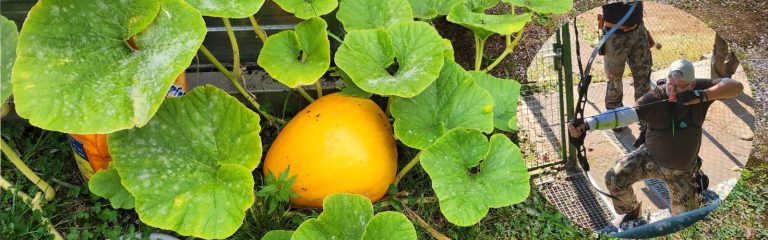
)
(687, 96)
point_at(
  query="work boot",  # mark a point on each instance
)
(630, 216)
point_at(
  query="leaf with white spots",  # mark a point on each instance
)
(371, 14)
(306, 9)
(471, 175)
(227, 8)
(505, 93)
(350, 216)
(389, 225)
(402, 60)
(452, 101)
(106, 184)
(9, 36)
(77, 72)
(190, 167)
(298, 57)
(484, 25)
(544, 6)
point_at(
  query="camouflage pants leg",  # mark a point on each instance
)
(627, 49)
(720, 53)
(638, 165)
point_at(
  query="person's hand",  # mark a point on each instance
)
(690, 97)
(576, 131)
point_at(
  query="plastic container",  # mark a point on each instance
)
(91, 151)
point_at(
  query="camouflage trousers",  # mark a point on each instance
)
(627, 49)
(639, 165)
(720, 53)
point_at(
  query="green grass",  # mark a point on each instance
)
(75, 212)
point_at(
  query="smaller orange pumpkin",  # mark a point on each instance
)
(337, 144)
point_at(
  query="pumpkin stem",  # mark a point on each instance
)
(407, 168)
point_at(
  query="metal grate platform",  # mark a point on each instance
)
(661, 190)
(574, 197)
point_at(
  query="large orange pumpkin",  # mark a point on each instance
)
(337, 144)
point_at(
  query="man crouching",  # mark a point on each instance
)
(674, 113)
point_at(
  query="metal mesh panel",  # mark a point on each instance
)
(575, 198)
(539, 115)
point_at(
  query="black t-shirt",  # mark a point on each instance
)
(615, 11)
(673, 143)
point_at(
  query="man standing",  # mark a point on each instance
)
(720, 53)
(628, 45)
(674, 113)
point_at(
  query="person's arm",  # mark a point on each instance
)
(614, 118)
(725, 88)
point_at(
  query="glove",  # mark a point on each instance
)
(687, 96)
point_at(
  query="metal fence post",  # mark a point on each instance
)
(557, 47)
(570, 163)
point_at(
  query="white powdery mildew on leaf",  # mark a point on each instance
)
(191, 186)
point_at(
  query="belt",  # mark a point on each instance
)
(608, 25)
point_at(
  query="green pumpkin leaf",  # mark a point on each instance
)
(344, 216)
(544, 6)
(350, 89)
(389, 225)
(76, 73)
(278, 235)
(413, 51)
(428, 9)
(370, 14)
(350, 216)
(190, 167)
(306, 9)
(298, 57)
(452, 101)
(505, 93)
(479, 6)
(9, 36)
(227, 8)
(466, 194)
(106, 184)
(485, 24)
(448, 49)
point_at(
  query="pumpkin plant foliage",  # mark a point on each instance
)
(544, 6)
(428, 9)
(189, 168)
(471, 174)
(371, 14)
(9, 36)
(505, 93)
(452, 101)
(306, 9)
(402, 60)
(298, 57)
(484, 25)
(75, 71)
(106, 184)
(227, 8)
(350, 216)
